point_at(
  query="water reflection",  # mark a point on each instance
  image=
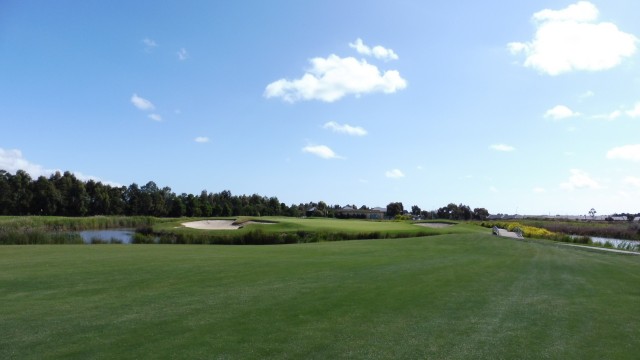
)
(112, 236)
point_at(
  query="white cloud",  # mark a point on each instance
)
(610, 117)
(183, 54)
(332, 78)
(635, 112)
(394, 174)
(13, 160)
(539, 190)
(378, 51)
(502, 147)
(141, 103)
(494, 189)
(632, 180)
(570, 39)
(627, 152)
(322, 151)
(201, 139)
(560, 112)
(149, 44)
(155, 117)
(580, 180)
(345, 129)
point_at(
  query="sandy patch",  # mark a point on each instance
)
(435, 225)
(212, 225)
(220, 224)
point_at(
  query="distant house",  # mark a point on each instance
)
(349, 212)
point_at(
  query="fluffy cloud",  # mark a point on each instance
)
(322, 151)
(539, 190)
(570, 39)
(560, 112)
(580, 180)
(201, 139)
(502, 147)
(394, 174)
(345, 129)
(141, 103)
(378, 51)
(332, 78)
(627, 152)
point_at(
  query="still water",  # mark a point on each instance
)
(112, 236)
(614, 242)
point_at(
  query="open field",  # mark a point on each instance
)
(467, 295)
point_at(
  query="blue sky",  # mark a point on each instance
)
(528, 107)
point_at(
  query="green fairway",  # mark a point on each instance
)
(467, 295)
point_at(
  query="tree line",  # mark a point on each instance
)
(65, 195)
(449, 212)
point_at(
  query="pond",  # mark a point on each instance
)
(617, 243)
(111, 236)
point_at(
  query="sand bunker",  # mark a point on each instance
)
(435, 225)
(219, 224)
(212, 225)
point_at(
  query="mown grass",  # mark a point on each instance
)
(468, 295)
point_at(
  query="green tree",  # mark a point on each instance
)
(395, 208)
(20, 188)
(6, 198)
(45, 197)
(415, 210)
(480, 214)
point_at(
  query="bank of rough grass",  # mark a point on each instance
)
(32, 230)
(450, 296)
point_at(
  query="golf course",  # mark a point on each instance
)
(453, 292)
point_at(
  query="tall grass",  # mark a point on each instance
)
(614, 230)
(31, 230)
